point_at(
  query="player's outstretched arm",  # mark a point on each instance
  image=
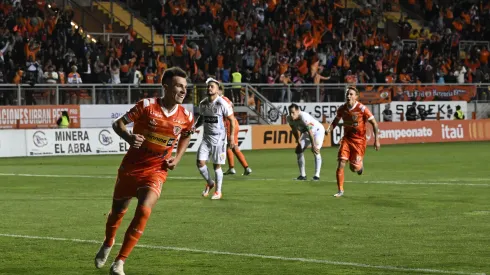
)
(181, 148)
(294, 130)
(231, 141)
(332, 125)
(377, 144)
(199, 122)
(119, 127)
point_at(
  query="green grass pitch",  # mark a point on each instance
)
(418, 209)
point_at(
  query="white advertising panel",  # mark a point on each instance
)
(74, 142)
(95, 116)
(91, 141)
(317, 110)
(446, 109)
(12, 143)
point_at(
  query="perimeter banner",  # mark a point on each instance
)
(433, 93)
(37, 116)
(425, 132)
(317, 110)
(372, 95)
(277, 137)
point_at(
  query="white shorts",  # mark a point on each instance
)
(217, 152)
(305, 141)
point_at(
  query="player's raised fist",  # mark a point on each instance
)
(377, 144)
(171, 163)
(136, 140)
(190, 132)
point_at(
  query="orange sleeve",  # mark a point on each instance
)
(136, 112)
(366, 114)
(339, 113)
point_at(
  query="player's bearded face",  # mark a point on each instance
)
(212, 89)
(178, 89)
(351, 96)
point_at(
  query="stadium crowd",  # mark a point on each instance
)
(286, 42)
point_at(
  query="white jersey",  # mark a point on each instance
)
(214, 113)
(306, 122)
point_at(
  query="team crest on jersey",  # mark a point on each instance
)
(177, 130)
(215, 110)
(355, 116)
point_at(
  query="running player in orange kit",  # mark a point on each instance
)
(236, 149)
(353, 144)
(158, 124)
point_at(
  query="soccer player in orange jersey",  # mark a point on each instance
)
(236, 149)
(353, 144)
(158, 124)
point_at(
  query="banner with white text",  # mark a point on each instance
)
(317, 110)
(94, 141)
(425, 110)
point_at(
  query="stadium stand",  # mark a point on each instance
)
(274, 41)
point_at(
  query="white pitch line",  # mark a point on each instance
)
(251, 255)
(397, 182)
(418, 183)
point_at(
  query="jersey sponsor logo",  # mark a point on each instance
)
(156, 114)
(211, 119)
(178, 121)
(159, 139)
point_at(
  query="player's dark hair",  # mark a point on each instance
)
(169, 73)
(293, 106)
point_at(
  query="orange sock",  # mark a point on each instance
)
(134, 232)
(241, 157)
(113, 222)
(340, 179)
(230, 157)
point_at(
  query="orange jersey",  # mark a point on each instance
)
(229, 102)
(355, 120)
(227, 122)
(161, 130)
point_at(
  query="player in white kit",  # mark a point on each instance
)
(312, 132)
(213, 111)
